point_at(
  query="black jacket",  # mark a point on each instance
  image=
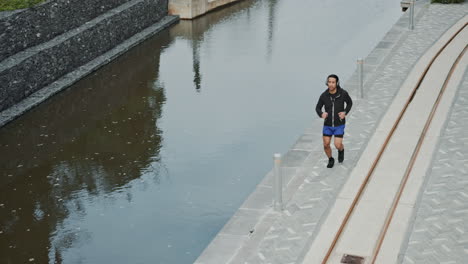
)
(333, 106)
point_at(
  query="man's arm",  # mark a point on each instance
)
(318, 107)
(349, 103)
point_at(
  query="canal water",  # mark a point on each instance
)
(146, 159)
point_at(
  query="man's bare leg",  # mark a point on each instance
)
(340, 147)
(326, 146)
(339, 143)
(328, 151)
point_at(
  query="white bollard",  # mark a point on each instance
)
(411, 15)
(360, 64)
(278, 183)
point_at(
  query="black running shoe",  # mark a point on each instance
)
(340, 156)
(331, 162)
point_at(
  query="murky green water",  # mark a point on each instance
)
(145, 160)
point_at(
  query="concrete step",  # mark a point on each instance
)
(28, 71)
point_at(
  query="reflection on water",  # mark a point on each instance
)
(196, 63)
(88, 142)
(271, 26)
(146, 159)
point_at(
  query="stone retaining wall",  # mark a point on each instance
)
(29, 70)
(29, 27)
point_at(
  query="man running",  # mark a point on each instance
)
(337, 103)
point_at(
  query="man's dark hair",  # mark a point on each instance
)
(336, 78)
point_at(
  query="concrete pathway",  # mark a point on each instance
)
(365, 224)
(258, 234)
(439, 232)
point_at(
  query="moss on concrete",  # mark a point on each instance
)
(17, 4)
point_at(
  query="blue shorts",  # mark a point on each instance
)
(329, 131)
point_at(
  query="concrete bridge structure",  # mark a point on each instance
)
(188, 9)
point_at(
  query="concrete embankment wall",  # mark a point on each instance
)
(189, 9)
(40, 45)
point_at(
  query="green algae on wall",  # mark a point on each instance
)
(17, 4)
